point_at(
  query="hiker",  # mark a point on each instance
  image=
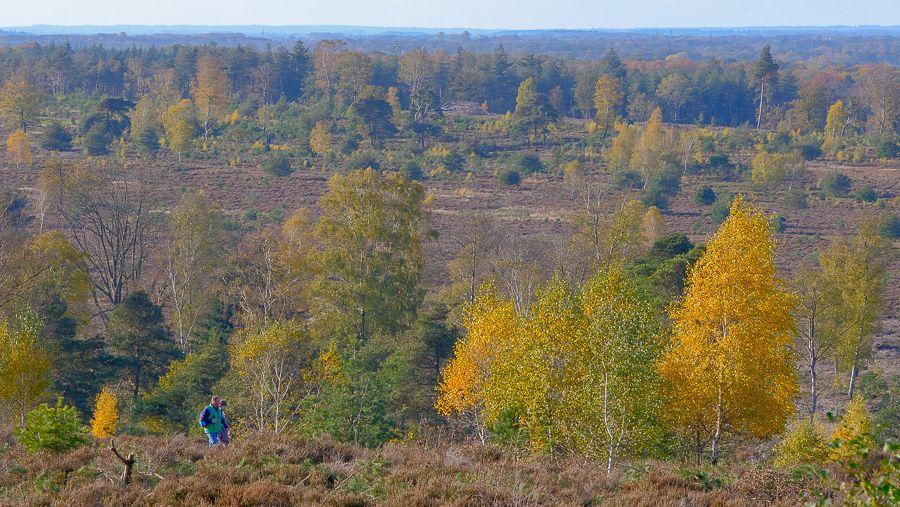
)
(223, 435)
(211, 420)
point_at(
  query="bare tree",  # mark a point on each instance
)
(104, 209)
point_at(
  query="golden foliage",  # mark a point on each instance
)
(854, 431)
(491, 325)
(835, 124)
(735, 317)
(24, 365)
(608, 101)
(106, 414)
(320, 138)
(18, 149)
(211, 91)
(803, 444)
(767, 169)
(577, 370)
(179, 122)
(654, 225)
(618, 158)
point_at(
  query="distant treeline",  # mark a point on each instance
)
(710, 91)
(844, 45)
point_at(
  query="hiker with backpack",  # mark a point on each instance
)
(212, 420)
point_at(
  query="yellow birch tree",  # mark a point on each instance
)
(729, 364)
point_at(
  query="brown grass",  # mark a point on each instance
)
(289, 470)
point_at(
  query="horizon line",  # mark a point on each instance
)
(455, 29)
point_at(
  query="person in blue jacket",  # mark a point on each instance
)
(212, 420)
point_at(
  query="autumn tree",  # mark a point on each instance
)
(651, 153)
(269, 274)
(769, 169)
(211, 91)
(576, 371)
(854, 430)
(654, 158)
(20, 101)
(618, 390)
(858, 270)
(765, 72)
(371, 234)
(618, 157)
(24, 365)
(880, 94)
(492, 325)
(106, 414)
(18, 149)
(274, 369)
(321, 140)
(608, 102)
(735, 316)
(179, 122)
(192, 254)
(654, 225)
(835, 126)
(819, 322)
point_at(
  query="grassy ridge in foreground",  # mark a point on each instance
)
(289, 470)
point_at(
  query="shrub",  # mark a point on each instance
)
(363, 160)
(866, 194)
(56, 138)
(509, 177)
(768, 169)
(670, 245)
(778, 223)
(148, 140)
(836, 183)
(809, 151)
(96, 140)
(412, 171)
(627, 180)
(446, 159)
(660, 187)
(854, 432)
(705, 196)
(887, 148)
(277, 164)
(56, 429)
(890, 226)
(527, 163)
(796, 198)
(721, 209)
(804, 444)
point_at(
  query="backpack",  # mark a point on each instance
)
(203, 420)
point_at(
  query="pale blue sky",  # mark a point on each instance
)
(516, 14)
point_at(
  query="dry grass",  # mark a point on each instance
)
(289, 470)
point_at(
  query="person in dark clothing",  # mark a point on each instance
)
(223, 435)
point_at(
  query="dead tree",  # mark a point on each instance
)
(128, 462)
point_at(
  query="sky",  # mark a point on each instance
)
(487, 14)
